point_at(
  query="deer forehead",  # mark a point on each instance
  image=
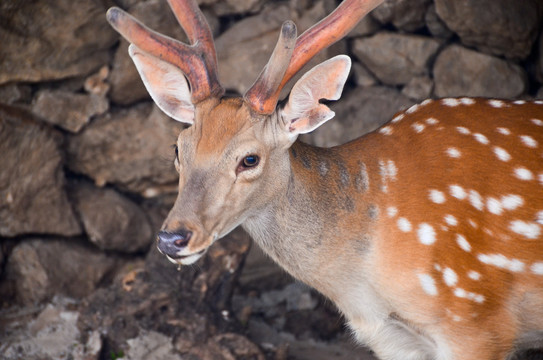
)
(221, 125)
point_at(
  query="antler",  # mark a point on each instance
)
(198, 61)
(261, 97)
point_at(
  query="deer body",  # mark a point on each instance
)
(427, 233)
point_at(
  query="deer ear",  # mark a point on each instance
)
(303, 112)
(166, 84)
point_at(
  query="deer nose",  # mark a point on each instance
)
(170, 243)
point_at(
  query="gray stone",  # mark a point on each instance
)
(151, 345)
(435, 25)
(15, 93)
(32, 196)
(367, 26)
(362, 76)
(112, 221)
(498, 27)
(233, 7)
(396, 58)
(359, 112)
(38, 41)
(406, 15)
(462, 72)
(129, 147)
(35, 272)
(419, 88)
(68, 110)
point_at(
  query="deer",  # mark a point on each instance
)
(427, 233)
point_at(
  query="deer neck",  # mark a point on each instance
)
(323, 190)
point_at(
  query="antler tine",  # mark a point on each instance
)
(259, 95)
(193, 60)
(323, 34)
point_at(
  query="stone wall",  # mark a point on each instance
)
(86, 164)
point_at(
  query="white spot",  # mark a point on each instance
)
(450, 277)
(463, 243)
(474, 275)
(418, 127)
(426, 102)
(494, 206)
(398, 118)
(453, 152)
(503, 131)
(523, 174)
(392, 170)
(392, 211)
(431, 121)
(463, 130)
(481, 138)
(461, 293)
(519, 102)
(458, 192)
(528, 141)
(404, 224)
(450, 102)
(451, 220)
(539, 217)
(527, 229)
(437, 267)
(426, 234)
(472, 223)
(496, 103)
(437, 196)
(538, 102)
(412, 109)
(476, 200)
(501, 153)
(511, 202)
(387, 130)
(502, 262)
(537, 122)
(467, 101)
(428, 284)
(540, 177)
(537, 268)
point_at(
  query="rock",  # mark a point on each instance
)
(38, 41)
(367, 26)
(419, 88)
(435, 25)
(35, 272)
(15, 93)
(53, 335)
(406, 15)
(32, 196)
(225, 347)
(96, 83)
(234, 7)
(396, 58)
(127, 147)
(151, 345)
(359, 112)
(362, 76)
(243, 54)
(462, 72)
(112, 221)
(498, 27)
(68, 110)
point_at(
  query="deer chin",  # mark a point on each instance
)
(186, 259)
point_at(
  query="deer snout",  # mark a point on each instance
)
(172, 244)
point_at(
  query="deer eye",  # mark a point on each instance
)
(176, 149)
(250, 161)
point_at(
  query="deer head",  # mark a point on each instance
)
(234, 157)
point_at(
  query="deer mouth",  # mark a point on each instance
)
(185, 259)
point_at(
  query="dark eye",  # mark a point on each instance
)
(250, 161)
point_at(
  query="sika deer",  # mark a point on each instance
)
(427, 234)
